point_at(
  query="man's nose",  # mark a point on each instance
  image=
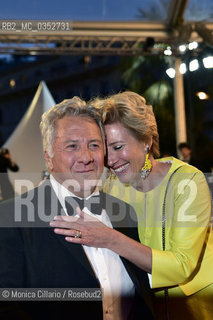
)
(85, 155)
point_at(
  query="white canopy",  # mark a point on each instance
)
(25, 143)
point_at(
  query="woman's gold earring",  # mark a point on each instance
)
(146, 169)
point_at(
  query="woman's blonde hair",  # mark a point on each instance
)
(131, 110)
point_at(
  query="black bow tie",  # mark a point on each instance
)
(94, 204)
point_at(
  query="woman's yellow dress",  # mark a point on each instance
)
(185, 266)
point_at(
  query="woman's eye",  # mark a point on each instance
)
(118, 147)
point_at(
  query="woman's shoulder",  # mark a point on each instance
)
(183, 174)
(179, 165)
(181, 171)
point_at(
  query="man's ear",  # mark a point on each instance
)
(48, 160)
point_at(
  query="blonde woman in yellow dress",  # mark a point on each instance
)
(172, 202)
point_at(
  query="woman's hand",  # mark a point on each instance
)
(85, 230)
(91, 232)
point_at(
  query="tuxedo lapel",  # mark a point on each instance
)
(75, 250)
(78, 254)
(121, 214)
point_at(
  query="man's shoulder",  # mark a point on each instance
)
(31, 195)
(36, 207)
(122, 214)
(109, 201)
(109, 198)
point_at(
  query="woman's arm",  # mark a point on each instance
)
(133, 251)
(186, 231)
(96, 234)
(185, 234)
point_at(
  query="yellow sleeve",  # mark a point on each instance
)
(186, 231)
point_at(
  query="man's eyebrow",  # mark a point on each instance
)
(95, 140)
(77, 140)
(71, 140)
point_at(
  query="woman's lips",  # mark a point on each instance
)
(121, 169)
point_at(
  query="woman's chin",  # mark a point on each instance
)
(124, 178)
(129, 178)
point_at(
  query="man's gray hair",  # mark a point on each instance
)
(74, 107)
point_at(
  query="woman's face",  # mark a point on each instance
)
(126, 155)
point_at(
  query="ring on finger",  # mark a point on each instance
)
(78, 234)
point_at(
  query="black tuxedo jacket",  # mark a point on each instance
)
(33, 256)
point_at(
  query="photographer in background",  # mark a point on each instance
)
(6, 162)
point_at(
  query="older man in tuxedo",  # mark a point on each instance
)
(32, 256)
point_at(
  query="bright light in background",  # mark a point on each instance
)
(202, 95)
(183, 68)
(182, 48)
(193, 45)
(208, 62)
(168, 51)
(33, 53)
(170, 72)
(193, 65)
(12, 83)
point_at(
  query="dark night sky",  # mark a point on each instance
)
(78, 9)
(101, 10)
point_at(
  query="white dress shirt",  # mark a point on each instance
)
(106, 264)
